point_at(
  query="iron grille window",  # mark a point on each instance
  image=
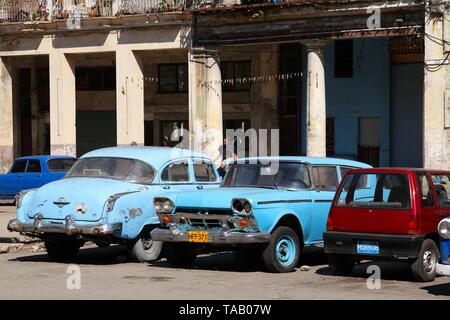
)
(173, 78)
(343, 59)
(235, 75)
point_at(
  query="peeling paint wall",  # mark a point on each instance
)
(6, 115)
(436, 130)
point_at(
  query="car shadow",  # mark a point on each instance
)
(226, 261)
(397, 271)
(442, 289)
(114, 254)
(223, 261)
(4, 206)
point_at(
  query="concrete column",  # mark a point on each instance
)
(436, 134)
(130, 97)
(315, 101)
(269, 98)
(62, 104)
(205, 103)
(6, 112)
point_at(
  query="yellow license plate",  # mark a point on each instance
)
(197, 236)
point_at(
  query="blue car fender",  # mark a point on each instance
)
(268, 219)
(22, 212)
(135, 210)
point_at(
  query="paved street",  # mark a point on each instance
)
(27, 274)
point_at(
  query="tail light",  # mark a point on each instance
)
(412, 224)
(329, 223)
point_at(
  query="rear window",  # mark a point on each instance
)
(60, 165)
(390, 191)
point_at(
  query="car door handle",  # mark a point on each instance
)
(199, 187)
(166, 187)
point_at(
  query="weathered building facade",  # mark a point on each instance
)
(354, 79)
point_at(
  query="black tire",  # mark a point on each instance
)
(179, 254)
(62, 250)
(102, 244)
(424, 267)
(340, 265)
(145, 249)
(282, 254)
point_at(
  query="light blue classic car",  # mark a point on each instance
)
(269, 206)
(106, 197)
(33, 172)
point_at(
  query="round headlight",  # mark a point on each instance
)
(247, 207)
(167, 206)
(444, 228)
(158, 205)
(237, 206)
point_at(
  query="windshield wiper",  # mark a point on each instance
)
(274, 183)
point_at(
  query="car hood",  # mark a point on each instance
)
(60, 198)
(220, 198)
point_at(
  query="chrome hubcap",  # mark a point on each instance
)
(285, 251)
(429, 261)
(146, 243)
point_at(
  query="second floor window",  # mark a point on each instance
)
(235, 75)
(173, 78)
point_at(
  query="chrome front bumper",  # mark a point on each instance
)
(214, 237)
(68, 226)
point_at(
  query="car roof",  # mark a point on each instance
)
(44, 157)
(399, 170)
(312, 160)
(155, 156)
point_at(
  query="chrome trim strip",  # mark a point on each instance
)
(285, 201)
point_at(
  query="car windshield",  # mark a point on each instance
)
(281, 175)
(113, 168)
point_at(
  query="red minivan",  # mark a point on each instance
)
(388, 214)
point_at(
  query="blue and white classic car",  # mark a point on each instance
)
(443, 267)
(106, 197)
(272, 206)
(33, 172)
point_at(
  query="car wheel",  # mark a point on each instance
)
(424, 267)
(62, 250)
(145, 249)
(283, 251)
(179, 254)
(102, 244)
(340, 265)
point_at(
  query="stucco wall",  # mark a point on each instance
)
(406, 115)
(366, 94)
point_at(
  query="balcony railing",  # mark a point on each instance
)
(62, 9)
(23, 10)
(150, 6)
(41, 10)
